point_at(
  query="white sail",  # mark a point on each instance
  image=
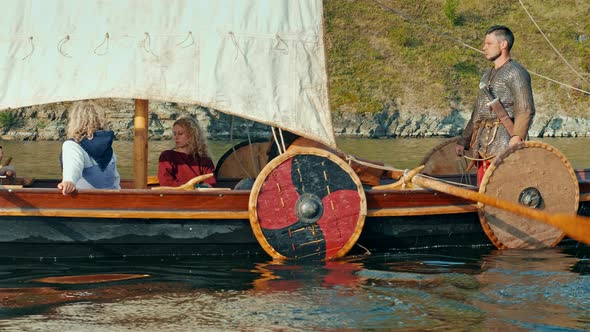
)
(259, 59)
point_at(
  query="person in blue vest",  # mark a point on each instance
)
(88, 159)
(5, 170)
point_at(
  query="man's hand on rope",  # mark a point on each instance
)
(514, 140)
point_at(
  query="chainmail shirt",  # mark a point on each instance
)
(484, 133)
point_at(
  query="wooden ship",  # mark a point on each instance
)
(263, 60)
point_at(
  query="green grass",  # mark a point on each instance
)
(376, 58)
(9, 120)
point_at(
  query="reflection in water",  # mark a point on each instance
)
(534, 289)
(437, 289)
(444, 288)
(285, 276)
(89, 279)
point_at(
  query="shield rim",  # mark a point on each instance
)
(497, 162)
(274, 163)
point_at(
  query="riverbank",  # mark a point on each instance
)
(48, 122)
(390, 77)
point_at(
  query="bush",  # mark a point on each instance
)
(9, 120)
(451, 12)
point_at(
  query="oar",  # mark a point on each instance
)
(575, 226)
(190, 185)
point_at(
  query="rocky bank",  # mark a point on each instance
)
(48, 122)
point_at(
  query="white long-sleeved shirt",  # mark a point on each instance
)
(81, 169)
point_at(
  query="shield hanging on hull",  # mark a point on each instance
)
(536, 175)
(307, 203)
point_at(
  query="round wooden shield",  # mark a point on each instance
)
(307, 203)
(243, 160)
(534, 174)
(442, 160)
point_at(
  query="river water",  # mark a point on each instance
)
(446, 289)
(41, 159)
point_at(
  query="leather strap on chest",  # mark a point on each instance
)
(500, 112)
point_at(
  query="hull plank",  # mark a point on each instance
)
(34, 237)
(425, 231)
(127, 199)
(41, 222)
(129, 231)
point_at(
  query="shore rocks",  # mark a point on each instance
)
(48, 122)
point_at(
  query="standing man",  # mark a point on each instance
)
(504, 109)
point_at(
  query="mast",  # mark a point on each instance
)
(140, 141)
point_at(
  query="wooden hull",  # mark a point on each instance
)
(94, 237)
(41, 222)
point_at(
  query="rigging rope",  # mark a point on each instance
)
(480, 159)
(462, 167)
(282, 140)
(274, 135)
(551, 44)
(427, 27)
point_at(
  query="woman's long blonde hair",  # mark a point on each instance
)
(197, 144)
(84, 119)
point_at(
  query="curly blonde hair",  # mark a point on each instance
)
(84, 119)
(197, 144)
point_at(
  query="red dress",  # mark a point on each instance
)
(177, 168)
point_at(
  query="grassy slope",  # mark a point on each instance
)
(378, 59)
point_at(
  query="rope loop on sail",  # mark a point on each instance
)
(61, 44)
(188, 36)
(105, 42)
(235, 42)
(281, 45)
(146, 44)
(32, 49)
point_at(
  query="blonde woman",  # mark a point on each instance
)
(189, 158)
(88, 159)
